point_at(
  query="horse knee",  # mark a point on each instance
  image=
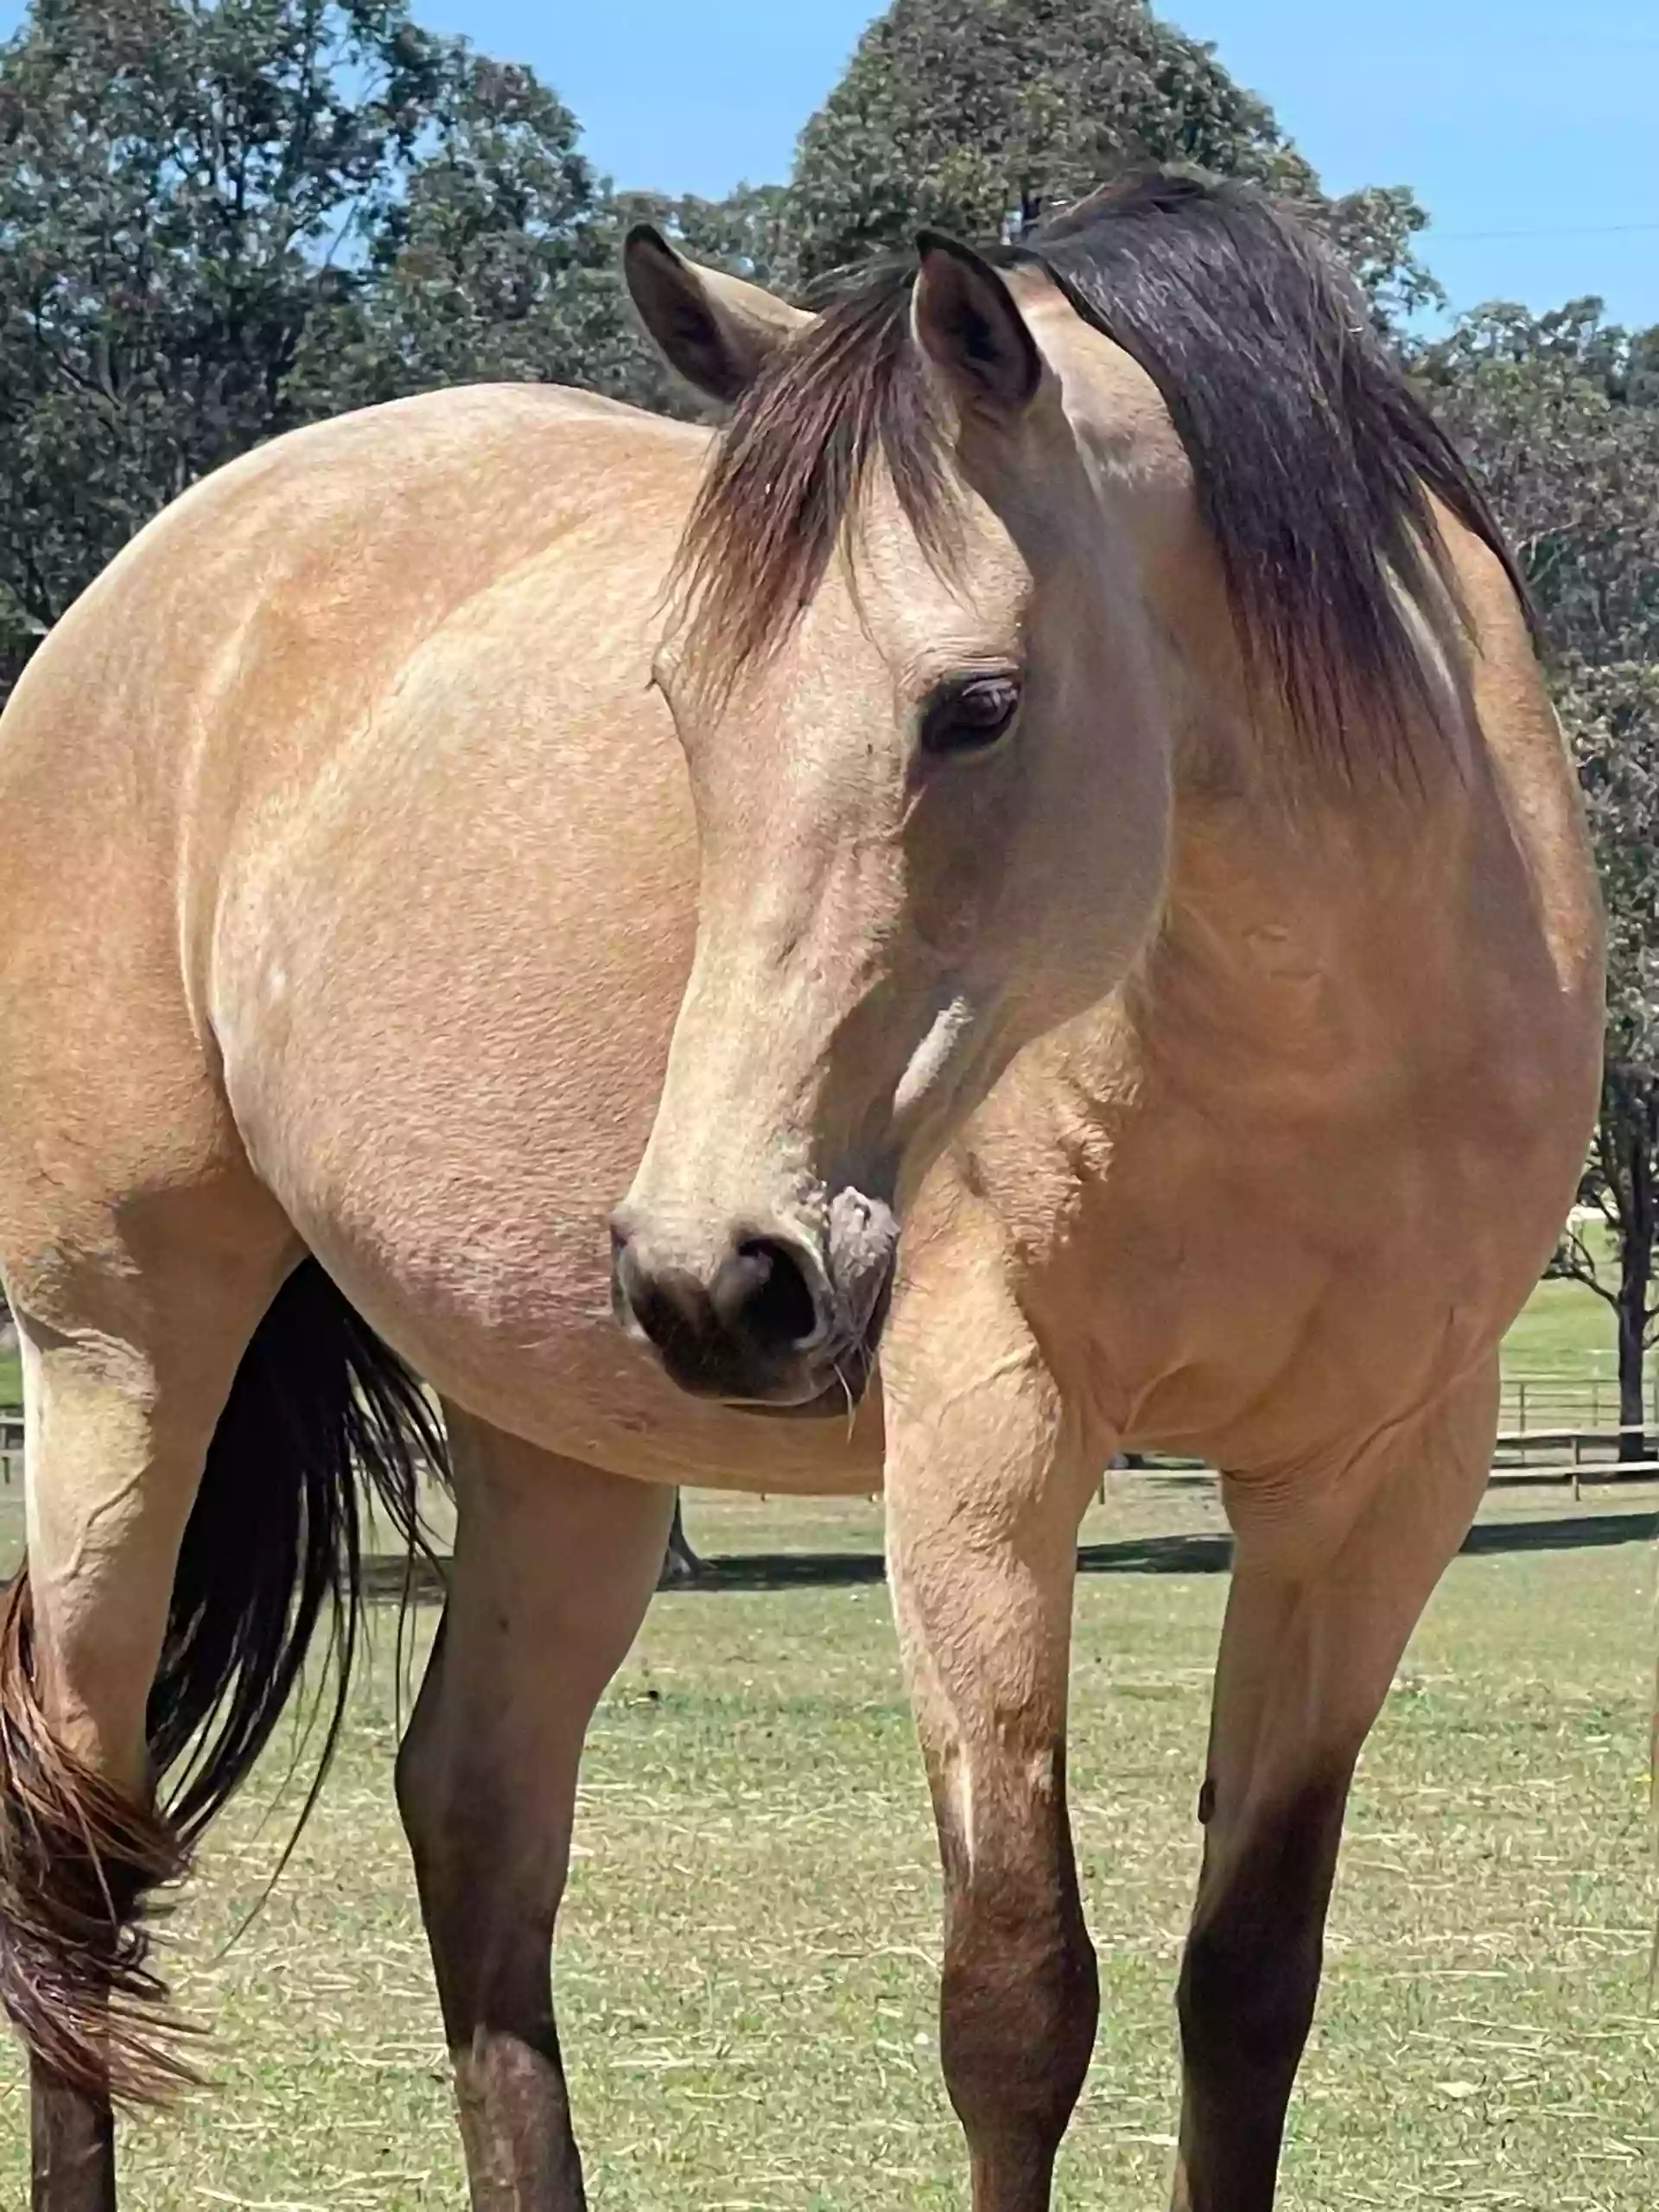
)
(1019, 1998)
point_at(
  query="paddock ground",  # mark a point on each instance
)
(746, 1975)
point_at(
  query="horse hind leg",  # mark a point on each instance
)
(554, 1568)
(126, 1365)
(78, 1856)
(192, 1409)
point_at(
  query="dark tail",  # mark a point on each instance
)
(274, 1543)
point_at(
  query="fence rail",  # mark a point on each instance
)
(1531, 1401)
(1562, 1426)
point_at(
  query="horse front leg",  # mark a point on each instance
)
(985, 1492)
(1324, 1599)
(554, 1568)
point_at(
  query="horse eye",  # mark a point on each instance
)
(971, 717)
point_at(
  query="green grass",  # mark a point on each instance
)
(11, 1380)
(1563, 1330)
(748, 1967)
(746, 1970)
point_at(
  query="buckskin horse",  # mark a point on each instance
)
(1071, 750)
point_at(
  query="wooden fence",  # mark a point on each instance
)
(1549, 1425)
(1557, 1402)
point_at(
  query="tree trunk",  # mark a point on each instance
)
(1638, 1219)
(680, 1563)
(1632, 1318)
(1635, 1281)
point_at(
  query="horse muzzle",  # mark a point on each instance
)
(773, 1319)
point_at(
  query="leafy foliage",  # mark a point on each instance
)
(497, 260)
(1553, 407)
(219, 220)
(1612, 715)
(978, 117)
(748, 232)
(173, 184)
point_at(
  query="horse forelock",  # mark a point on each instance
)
(1315, 463)
(847, 396)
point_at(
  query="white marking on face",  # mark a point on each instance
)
(933, 1061)
(962, 1780)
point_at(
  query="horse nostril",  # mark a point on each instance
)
(667, 1306)
(763, 1295)
(736, 1334)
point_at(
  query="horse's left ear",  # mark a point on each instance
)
(968, 323)
(717, 331)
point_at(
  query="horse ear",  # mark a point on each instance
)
(717, 331)
(966, 320)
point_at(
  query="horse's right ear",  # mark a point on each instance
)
(717, 331)
(969, 325)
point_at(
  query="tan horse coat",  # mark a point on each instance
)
(350, 892)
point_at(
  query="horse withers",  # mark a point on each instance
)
(1068, 767)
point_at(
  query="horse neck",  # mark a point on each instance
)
(1287, 897)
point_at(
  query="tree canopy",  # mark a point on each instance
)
(979, 117)
(218, 221)
(221, 219)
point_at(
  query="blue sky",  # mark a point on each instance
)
(1526, 128)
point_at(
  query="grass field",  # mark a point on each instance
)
(748, 1970)
(1564, 1331)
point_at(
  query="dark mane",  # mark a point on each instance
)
(1313, 459)
(789, 468)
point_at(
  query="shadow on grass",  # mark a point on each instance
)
(1184, 1555)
